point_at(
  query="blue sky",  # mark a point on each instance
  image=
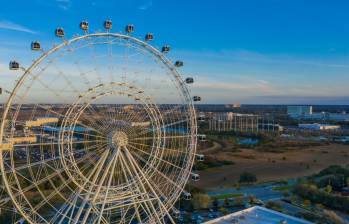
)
(247, 51)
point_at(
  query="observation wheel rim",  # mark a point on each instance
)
(155, 52)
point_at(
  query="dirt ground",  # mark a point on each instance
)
(269, 166)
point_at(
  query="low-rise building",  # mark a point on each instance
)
(316, 126)
(295, 111)
(258, 215)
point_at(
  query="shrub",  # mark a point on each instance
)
(274, 205)
(247, 177)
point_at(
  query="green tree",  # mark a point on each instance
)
(201, 201)
(274, 205)
(328, 189)
(247, 177)
(226, 202)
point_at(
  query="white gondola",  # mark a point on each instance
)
(59, 32)
(129, 28)
(35, 46)
(149, 37)
(195, 177)
(84, 25)
(108, 24)
(200, 157)
(189, 80)
(179, 63)
(14, 65)
(202, 138)
(201, 117)
(176, 213)
(197, 98)
(186, 196)
(165, 49)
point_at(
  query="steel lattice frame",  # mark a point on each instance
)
(98, 138)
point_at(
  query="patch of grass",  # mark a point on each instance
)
(211, 163)
(282, 188)
(224, 196)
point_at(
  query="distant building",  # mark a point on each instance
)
(306, 113)
(295, 111)
(242, 123)
(258, 215)
(317, 126)
(235, 105)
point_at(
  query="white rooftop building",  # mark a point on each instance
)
(317, 126)
(257, 215)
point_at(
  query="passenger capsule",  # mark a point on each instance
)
(149, 37)
(59, 32)
(195, 177)
(84, 25)
(189, 80)
(179, 63)
(108, 24)
(201, 116)
(200, 157)
(176, 213)
(202, 138)
(201, 119)
(129, 28)
(35, 46)
(186, 196)
(197, 98)
(165, 49)
(14, 65)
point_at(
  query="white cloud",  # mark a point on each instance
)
(217, 91)
(146, 5)
(64, 4)
(8, 25)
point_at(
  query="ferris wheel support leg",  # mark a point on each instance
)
(155, 212)
(99, 167)
(77, 194)
(101, 181)
(108, 186)
(136, 166)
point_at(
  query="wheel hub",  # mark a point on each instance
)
(119, 139)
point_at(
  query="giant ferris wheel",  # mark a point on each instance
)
(100, 128)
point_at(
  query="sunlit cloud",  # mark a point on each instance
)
(8, 25)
